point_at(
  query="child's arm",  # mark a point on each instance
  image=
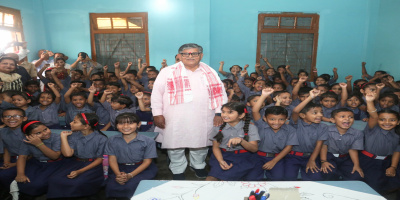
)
(40, 73)
(344, 94)
(278, 101)
(106, 127)
(21, 163)
(348, 80)
(37, 142)
(391, 171)
(55, 78)
(240, 83)
(218, 155)
(269, 165)
(289, 71)
(221, 68)
(256, 108)
(76, 173)
(379, 87)
(128, 67)
(335, 74)
(296, 111)
(66, 150)
(282, 73)
(251, 146)
(67, 95)
(146, 163)
(55, 91)
(295, 91)
(392, 83)
(104, 96)
(112, 160)
(92, 90)
(364, 70)
(85, 73)
(258, 69)
(311, 165)
(371, 109)
(73, 65)
(138, 85)
(354, 157)
(7, 160)
(141, 69)
(269, 64)
(163, 64)
(139, 96)
(315, 72)
(123, 80)
(105, 73)
(117, 70)
(326, 166)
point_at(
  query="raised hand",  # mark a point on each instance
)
(246, 66)
(116, 65)
(105, 68)
(139, 95)
(370, 96)
(130, 64)
(243, 73)
(334, 69)
(343, 85)
(267, 91)
(221, 63)
(349, 78)
(303, 79)
(380, 86)
(107, 92)
(257, 65)
(287, 67)
(92, 89)
(51, 85)
(314, 92)
(144, 65)
(363, 63)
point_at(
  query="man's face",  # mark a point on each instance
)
(190, 60)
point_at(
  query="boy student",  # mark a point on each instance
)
(75, 103)
(330, 102)
(339, 154)
(12, 138)
(311, 133)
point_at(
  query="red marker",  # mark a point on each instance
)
(257, 191)
(252, 197)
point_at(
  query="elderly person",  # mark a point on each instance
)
(186, 101)
(10, 80)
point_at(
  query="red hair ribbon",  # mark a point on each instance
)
(220, 130)
(96, 94)
(330, 90)
(28, 124)
(245, 110)
(246, 134)
(97, 123)
(363, 85)
(29, 95)
(84, 118)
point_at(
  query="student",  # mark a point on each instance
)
(302, 94)
(12, 139)
(128, 169)
(276, 140)
(44, 147)
(330, 102)
(258, 85)
(75, 102)
(234, 143)
(22, 100)
(101, 112)
(32, 88)
(251, 101)
(311, 133)
(339, 154)
(389, 101)
(283, 99)
(144, 111)
(48, 107)
(83, 174)
(353, 102)
(380, 157)
(234, 73)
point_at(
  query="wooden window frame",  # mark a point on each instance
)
(17, 22)
(314, 27)
(94, 30)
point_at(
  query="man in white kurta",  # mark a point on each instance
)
(188, 124)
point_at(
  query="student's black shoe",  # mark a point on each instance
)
(200, 173)
(179, 176)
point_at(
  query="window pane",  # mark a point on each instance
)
(287, 22)
(9, 20)
(104, 23)
(119, 23)
(304, 22)
(6, 37)
(135, 22)
(271, 22)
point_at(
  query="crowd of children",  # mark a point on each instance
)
(276, 124)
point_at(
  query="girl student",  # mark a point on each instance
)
(44, 147)
(22, 100)
(49, 103)
(234, 71)
(276, 139)
(127, 168)
(234, 143)
(380, 157)
(258, 85)
(82, 175)
(353, 102)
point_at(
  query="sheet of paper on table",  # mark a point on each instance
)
(199, 190)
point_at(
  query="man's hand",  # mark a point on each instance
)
(159, 121)
(218, 121)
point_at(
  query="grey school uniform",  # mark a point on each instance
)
(328, 111)
(358, 114)
(341, 144)
(54, 143)
(380, 142)
(144, 80)
(89, 146)
(102, 113)
(229, 75)
(230, 132)
(143, 146)
(394, 107)
(48, 116)
(72, 111)
(12, 139)
(115, 113)
(308, 135)
(31, 113)
(271, 142)
(289, 109)
(245, 90)
(1, 146)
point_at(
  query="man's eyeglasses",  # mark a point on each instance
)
(13, 116)
(194, 54)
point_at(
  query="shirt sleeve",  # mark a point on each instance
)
(23, 149)
(150, 151)
(157, 94)
(56, 142)
(109, 149)
(253, 133)
(292, 137)
(241, 85)
(323, 132)
(358, 143)
(100, 149)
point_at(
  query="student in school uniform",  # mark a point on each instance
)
(330, 102)
(234, 143)
(12, 138)
(49, 103)
(257, 86)
(380, 157)
(311, 133)
(144, 111)
(75, 103)
(339, 154)
(82, 175)
(276, 140)
(127, 169)
(22, 100)
(44, 147)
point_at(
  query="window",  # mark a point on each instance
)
(288, 39)
(119, 37)
(10, 28)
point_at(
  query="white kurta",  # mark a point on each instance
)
(187, 124)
